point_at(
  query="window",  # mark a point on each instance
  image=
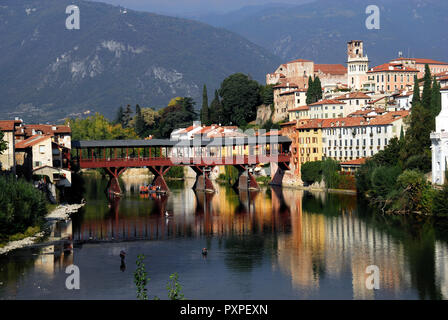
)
(385, 141)
(41, 149)
(379, 141)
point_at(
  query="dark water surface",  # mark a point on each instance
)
(274, 244)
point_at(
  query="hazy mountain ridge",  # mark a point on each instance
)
(49, 72)
(320, 30)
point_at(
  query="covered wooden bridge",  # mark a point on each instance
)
(202, 155)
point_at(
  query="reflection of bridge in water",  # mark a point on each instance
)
(202, 155)
(211, 215)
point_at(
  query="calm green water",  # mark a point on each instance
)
(274, 244)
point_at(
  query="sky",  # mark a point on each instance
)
(183, 7)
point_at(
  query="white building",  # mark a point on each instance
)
(404, 100)
(357, 98)
(439, 140)
(357, 137)
(331, 108)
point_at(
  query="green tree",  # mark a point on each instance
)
(97, 127)
(215, 111)
(3, 144)
(127, 117)
(267, 94)
(317, 89)
(205, 113)
(416, 92)
(240, 98)
(417, 136)
(174, 116)
(330, 169)
(436, 100)
(310, 91)
(426, 94)
(311, 172)
(119, 116)
(139, 123)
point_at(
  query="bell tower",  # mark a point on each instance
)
(357, 64)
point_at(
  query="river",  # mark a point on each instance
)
(272, 244)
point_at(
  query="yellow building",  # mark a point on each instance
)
(310, 145)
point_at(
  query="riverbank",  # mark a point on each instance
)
(61, 212)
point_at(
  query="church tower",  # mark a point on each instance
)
(357, 65)
(439, 140)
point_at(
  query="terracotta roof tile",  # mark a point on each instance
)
(330, 68)
(359, 161)
(326, 101)
(7, 125)
(301, 108)
(32, 141)
(391, 67)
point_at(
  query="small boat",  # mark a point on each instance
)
(151, 189)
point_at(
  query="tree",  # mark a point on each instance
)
(205, 113)
(119, 116)
(416, 92)
(97, 127)
(426, 95)
(436, 99)
(3, 144)
(216, 110)
(139, 123)
(127, 117)
(417, 136)
(311, 172)
(317, 89)
(310, 91)
(267, 94)
(176, 116)
(240, 97)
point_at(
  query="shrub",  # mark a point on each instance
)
(419, 162)
(415, 192)
(383, 180)
(330, 172)
(21, 206)
(311, 172)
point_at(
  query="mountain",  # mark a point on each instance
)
(48, 72)
(320, 30)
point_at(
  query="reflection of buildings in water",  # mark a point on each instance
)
(441, 263)
(53, 258)
(300, 253)
(328, 246)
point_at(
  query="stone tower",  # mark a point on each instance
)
(439, 140)
(357, 64)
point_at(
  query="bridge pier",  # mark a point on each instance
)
(246, 180)
(277, 178)
(113, 187)
(159, 180)
(203, 181)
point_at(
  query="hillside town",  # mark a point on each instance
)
(361, 107)
(359, 110)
